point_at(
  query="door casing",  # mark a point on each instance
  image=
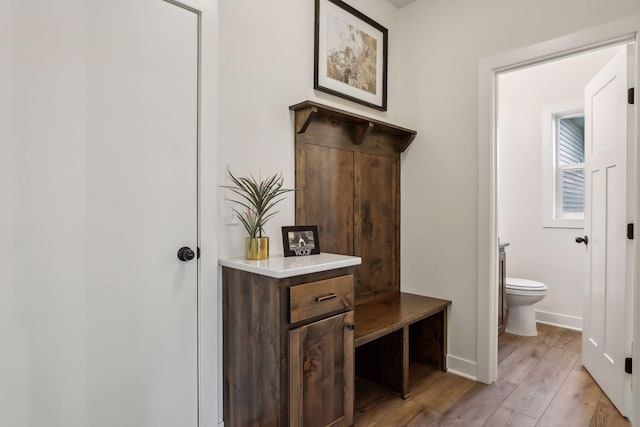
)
(209, 295)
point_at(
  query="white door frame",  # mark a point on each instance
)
(207, 11)
(487, 311)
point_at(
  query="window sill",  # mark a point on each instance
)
(563, 223)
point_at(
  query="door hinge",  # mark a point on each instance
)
(627, 365)
(631, 95)
(630, 231)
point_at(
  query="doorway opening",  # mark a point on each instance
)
(541, 209)
(540, 178)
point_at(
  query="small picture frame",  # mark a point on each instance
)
(351, 53)
(300, 240)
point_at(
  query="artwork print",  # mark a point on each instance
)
(350, 54)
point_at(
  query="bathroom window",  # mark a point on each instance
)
(563, 165)
(569, 188)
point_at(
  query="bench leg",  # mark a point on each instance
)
(405, 363)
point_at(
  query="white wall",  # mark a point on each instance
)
(266, 65)
(549, 255)
(441, 43)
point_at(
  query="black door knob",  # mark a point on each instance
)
(186, 254)
(584, 240)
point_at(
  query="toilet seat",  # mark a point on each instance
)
(517, 286)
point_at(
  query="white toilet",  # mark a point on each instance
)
(521, 295)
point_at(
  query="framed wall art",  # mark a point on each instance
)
(350, 54)
(300, 240)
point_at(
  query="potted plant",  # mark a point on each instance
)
(256, 200)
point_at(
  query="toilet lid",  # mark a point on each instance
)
(524, 284)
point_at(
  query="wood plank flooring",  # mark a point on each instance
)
(541, 382)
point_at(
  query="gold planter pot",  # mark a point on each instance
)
(257, 248)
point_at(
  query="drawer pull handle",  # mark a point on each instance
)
(326, 297)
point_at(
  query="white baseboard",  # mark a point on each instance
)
(461, 367)
(573, 323)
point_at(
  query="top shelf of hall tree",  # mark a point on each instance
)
(362, 125)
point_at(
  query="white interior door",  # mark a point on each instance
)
(100, 315)
(606, 337)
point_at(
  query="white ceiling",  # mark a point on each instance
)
(401, 3)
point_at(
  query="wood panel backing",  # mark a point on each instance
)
(377, 225)
(324, 177)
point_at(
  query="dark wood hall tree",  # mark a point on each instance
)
(348, 170)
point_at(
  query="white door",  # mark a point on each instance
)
(100, 315)
(606, 338)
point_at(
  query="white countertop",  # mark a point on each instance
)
(280, 267)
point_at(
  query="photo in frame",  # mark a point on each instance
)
(351, 53)
(300, 240)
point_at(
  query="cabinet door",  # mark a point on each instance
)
(321, 373)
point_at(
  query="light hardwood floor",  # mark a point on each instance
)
(541, 382)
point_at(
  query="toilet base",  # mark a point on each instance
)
(521, 320)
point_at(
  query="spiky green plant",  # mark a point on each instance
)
(256, 200)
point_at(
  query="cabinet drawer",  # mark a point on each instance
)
(317, 298)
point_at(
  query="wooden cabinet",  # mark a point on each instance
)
(288, 343)
(502, 297)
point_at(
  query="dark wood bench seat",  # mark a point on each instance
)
(396, 329)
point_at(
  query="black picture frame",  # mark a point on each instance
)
(332, 72)
(300, 240)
